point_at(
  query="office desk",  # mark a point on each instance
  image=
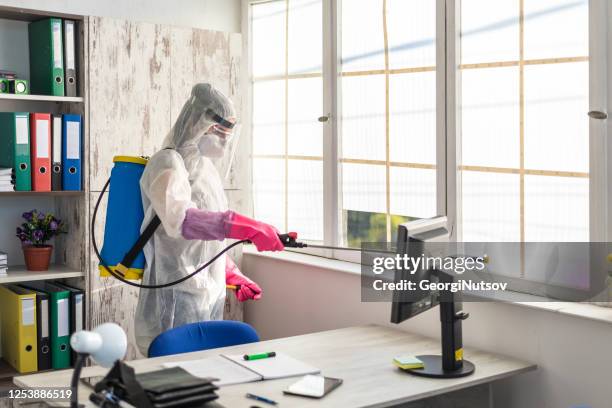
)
(360, 355)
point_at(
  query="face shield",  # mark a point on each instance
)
(206, 127)
(219, 142)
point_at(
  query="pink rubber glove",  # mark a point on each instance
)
(264, 236)
(248, 289)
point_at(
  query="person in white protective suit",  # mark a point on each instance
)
(183, 185)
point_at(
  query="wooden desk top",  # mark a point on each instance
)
(360, 355)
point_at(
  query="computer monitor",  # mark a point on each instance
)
(411, 240)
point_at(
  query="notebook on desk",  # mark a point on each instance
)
(233, 369)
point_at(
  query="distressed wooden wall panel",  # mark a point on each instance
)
(129, 115)
(129, 91)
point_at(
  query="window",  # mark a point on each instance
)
(287, 102)
(388, 116)
(524, 129)
(388, 110)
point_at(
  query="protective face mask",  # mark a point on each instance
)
(211, 145)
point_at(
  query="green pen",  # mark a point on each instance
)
(259, 356)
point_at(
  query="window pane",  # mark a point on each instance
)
(268, 41)
(269, 117)
(363, 117)
(388, 117)
(364, 187)
(412, 33)
(490, 206)
(556, 209)
(556, 121)
(413, 192)
(269, 191)
(305, 199)
(490, 117)
(362, 35)
(489, 30)
(305, 36)
(525, 113)
(556, 28)
(412, 125)
(305, 107)
(285, 115)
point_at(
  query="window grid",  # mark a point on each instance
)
(522, 171)
(286, 77)
(520, 63)
(387, 72)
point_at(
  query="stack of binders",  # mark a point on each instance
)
(3, 263)
(7, 179)
(37, 321)
(53, 58)
(42, 151)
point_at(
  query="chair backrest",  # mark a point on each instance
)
(202, 336)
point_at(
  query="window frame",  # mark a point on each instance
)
(448, 126)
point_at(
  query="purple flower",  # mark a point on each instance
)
(41, 216)
(53, 225)
(19, 230)
(27, 242)
(27, 215)
(38, 235)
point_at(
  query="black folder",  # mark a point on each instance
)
(77, 311)
(42, 329)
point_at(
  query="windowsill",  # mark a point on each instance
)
(306, 259)
(583, 310)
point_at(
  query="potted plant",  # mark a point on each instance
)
(34, 233)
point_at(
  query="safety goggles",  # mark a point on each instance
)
(224, 128)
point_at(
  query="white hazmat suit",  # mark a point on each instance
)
(180, 177)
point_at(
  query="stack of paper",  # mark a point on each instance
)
(7, 179)
(3, 263)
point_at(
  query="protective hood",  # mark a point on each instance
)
(206, 127)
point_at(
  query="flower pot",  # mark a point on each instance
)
(37, 258)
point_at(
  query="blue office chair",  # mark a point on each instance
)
(202, 336)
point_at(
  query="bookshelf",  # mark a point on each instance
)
(70, 257)
(41, 193)
(16, 274)
(41, 98)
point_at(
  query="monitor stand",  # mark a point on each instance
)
(451, 363)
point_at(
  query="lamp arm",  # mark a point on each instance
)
(76, 376)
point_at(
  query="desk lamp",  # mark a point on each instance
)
(106, 344)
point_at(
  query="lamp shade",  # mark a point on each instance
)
(106, 344)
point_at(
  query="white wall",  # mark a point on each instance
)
(222, 15)
(573, 353)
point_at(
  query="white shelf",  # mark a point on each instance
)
(21, 274)
(42, 98)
